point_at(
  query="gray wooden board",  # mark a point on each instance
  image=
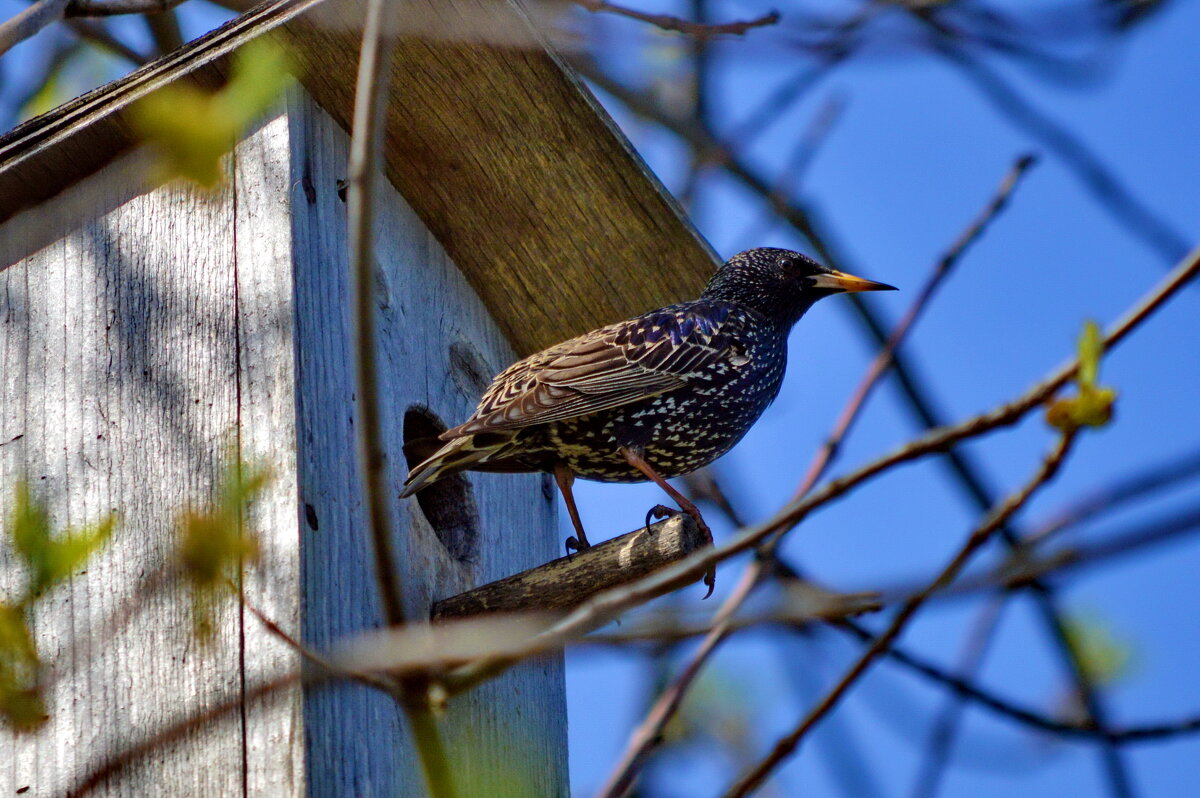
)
(136, 353)
(119, 366)
(515, 725)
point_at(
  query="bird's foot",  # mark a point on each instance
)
(576, 544)
(658, 511)
(710, 576)
(662, 511)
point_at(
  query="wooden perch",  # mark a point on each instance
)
(569, 581)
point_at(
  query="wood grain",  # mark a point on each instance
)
(427, 312)
(505, 156)
(140, 350)
(119, 364)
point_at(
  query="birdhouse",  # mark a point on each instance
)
(153, 333)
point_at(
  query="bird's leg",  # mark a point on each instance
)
(634, 458)
(565, 478)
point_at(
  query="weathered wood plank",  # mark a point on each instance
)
(501, 152)
(263, 192)
(140, 350)
(437, 346)
(119, 363)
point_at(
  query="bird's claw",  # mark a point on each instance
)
(710, 576)
(659, 511)
(573, 544)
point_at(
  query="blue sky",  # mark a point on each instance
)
(912, 158)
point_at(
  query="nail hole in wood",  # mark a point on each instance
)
(448, 504)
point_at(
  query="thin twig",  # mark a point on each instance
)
(44, 13)
(649, 730)
(1115, 495)
(316, 658)
(97, 33)
(200, 721)
(113, 8)
(1006, 577)
(30, 21)
(1140, 733)
(1002, 512)
(370, 94)
(797, 164)
(678, 25)
(651, 727)
(1124, 208)
(164, 30)
(609, 604)
(886, 355)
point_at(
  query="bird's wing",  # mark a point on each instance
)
(609, 367)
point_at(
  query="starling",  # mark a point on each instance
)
(653, 397)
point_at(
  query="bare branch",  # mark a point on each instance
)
(1125, 209)
(945, 726)
(608, 605)
(651, 727)
(97, 33)
(1117, 494)
(322, 662)
(165, 30)
(1146, 732)
(1002, 512)
(370, 94)
(44, 13)
(886, 355)
(200, 721)
(678, 25)
(29, 22)
(112, 8)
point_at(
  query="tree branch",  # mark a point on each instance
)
(29, 22)
(1001, 513)
(678, 25)
(370, 95)
(609, 604)
(651, 728)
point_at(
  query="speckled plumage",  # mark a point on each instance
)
(680, 385)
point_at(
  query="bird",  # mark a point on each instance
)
(653, 397)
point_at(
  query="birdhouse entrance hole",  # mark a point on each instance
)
(448, 504)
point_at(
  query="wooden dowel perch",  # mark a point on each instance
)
(569, 581)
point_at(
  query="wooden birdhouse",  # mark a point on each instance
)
(153, 333)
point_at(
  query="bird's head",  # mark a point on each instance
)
(781, 284)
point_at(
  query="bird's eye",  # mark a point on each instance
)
(787, 264)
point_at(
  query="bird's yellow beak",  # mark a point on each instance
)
(840, 281)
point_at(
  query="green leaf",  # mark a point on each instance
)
(261, 71)
(1091, 347)
(21, 703)
(214, 543)
(1093, 405)
(50, 559)
(192, 129)
(1101, 655)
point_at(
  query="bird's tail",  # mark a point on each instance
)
(457, 455)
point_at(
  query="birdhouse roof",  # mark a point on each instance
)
(494, 142)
